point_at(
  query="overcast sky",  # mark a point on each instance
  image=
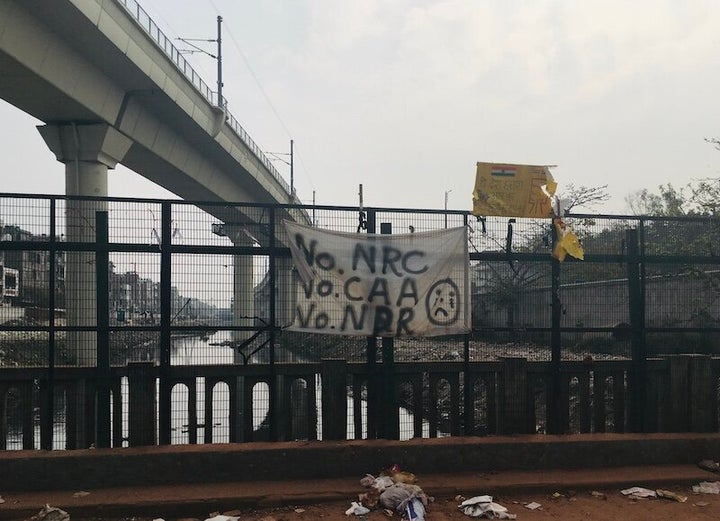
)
(405, 96)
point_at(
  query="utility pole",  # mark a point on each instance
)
(218, 57)
(221, 102)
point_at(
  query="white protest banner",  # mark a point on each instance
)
(380, 285)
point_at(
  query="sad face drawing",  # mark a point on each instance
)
(441, 303)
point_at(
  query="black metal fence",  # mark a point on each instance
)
(128, 321)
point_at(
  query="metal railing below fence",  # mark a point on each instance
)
(328, 400)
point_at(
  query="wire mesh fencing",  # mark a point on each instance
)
(171, 319)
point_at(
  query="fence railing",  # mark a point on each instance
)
(328, 400)
(150, 321)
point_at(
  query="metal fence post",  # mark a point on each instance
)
(371, 358)
(637, 376)
(47, 413)
(468, 381)
(165, 311)
(390, 419)
(102, 258)
(275, 431)
(554, 405)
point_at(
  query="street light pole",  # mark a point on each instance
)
(446, 205)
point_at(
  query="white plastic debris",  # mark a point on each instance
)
(220, 517)
(483, 506)
(638, 492)
(475, 500)
(48, 513)
(707, 487)
(382, 482)
(379, 483)
(533, 506)
(1, 500)
(356, 509)
(415, 510)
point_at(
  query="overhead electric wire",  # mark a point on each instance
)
(262, 91)
(170, 29)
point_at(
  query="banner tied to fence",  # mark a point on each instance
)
(380, 285)
(513, 190)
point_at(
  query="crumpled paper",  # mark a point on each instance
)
(638, 492)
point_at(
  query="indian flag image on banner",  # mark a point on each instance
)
(510, 190)
(503, 171)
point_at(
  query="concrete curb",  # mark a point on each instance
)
(250, 462)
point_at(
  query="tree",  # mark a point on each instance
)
(583, 196)
(501, 284)
(669, 202)
(698, 236)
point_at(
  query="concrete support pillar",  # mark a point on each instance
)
(88, 151)
(285, 296)
(243, 292)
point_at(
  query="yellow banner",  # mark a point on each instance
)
(509, 190)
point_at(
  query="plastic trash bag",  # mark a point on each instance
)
(483, 506)
(357, 509)
(399, 495)
(415, 510)
(707, 487)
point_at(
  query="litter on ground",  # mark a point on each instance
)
(48, 513)
(356, 509)
(639, 492)
(395, 491)
(669, 494)
(483, 506)
(708, 464)
(707, 487)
